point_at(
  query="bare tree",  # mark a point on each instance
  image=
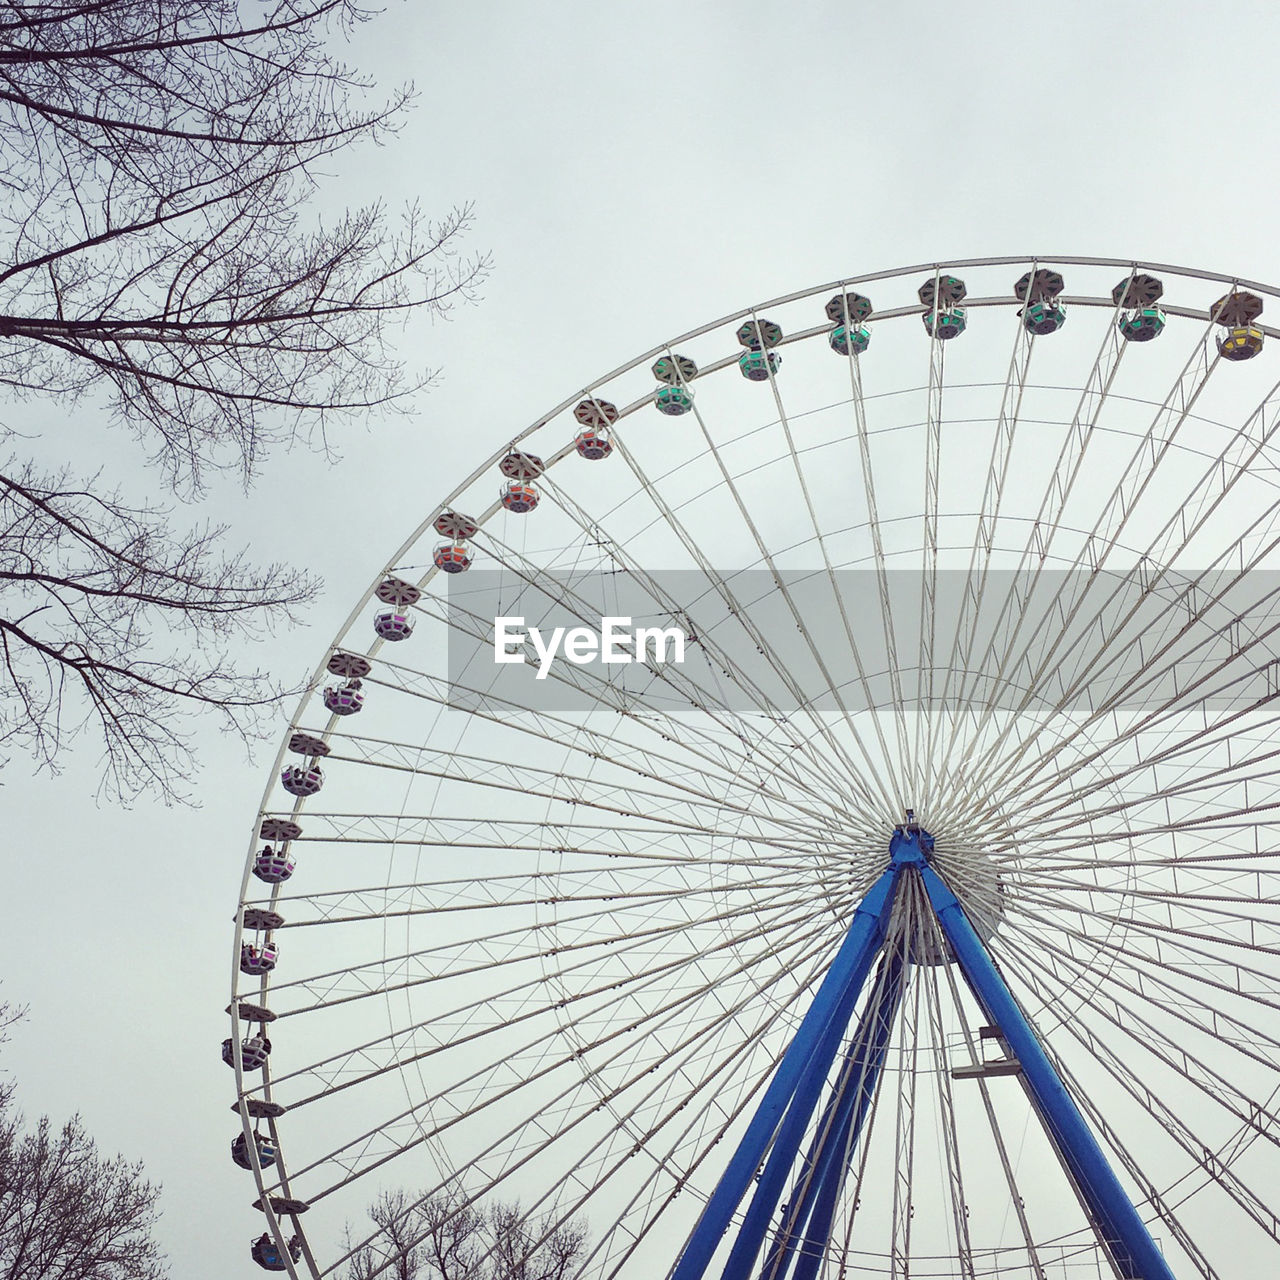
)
(160, 155)
(85, 579)
(66, 1211)
(163, 269)
(8, 1016)
(441, 1237)
(532, 1249)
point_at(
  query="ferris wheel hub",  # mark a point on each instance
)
(910, 842)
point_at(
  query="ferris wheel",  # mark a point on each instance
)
(807, 806)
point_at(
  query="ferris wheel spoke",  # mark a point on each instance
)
(700, 699)
(1200, 855)
(1129, 998)
(583, 680)
(683, 808)
(727, 1016)
(694, 1159)
(1151, 1193)
(719, 1070)
(1194, 861)
(1044, 526)
(1153, 448)
(381, 977)
(1160, 974)
(671, 760)
(853, 1196)
(1192, 1145)
(1173, 937)
(1182, 750)
(1169, 712)
(1204, 907)
(696, 781)
(1205, 826)
(376, 1057)
(905, 1143)
(931, 937)
(1195, 845)
(989, 514)
(1235, 682)
(636, 570)
(891, 788)
(849, 776)
(821, 729)
(705, 698)
(1125, 1016)
(1072, 847)
(1165, 1215)
(973, 1053)
(660, 842)
(880, 563)
(897, 950)
(923, 740)
(1190, 692)
(484, 892)
(1244, 450)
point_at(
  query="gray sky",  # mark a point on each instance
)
(636, 170)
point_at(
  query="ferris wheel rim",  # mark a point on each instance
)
(298, 807)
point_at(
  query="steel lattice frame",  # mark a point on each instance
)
(555, 956)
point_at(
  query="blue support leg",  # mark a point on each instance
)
(865, 935)
(811, 1227)
(1118, 1223)
(786, 1144)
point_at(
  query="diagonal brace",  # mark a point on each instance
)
(1121, 1229)
(819, 1033)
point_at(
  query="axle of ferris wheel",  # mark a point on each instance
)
(771, 1145)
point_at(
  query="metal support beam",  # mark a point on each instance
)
(838, 991)
(786, 1145)
(851, 1104)
(1120, 1228)
(770, 1146)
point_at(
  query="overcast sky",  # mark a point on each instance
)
(635, 171)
